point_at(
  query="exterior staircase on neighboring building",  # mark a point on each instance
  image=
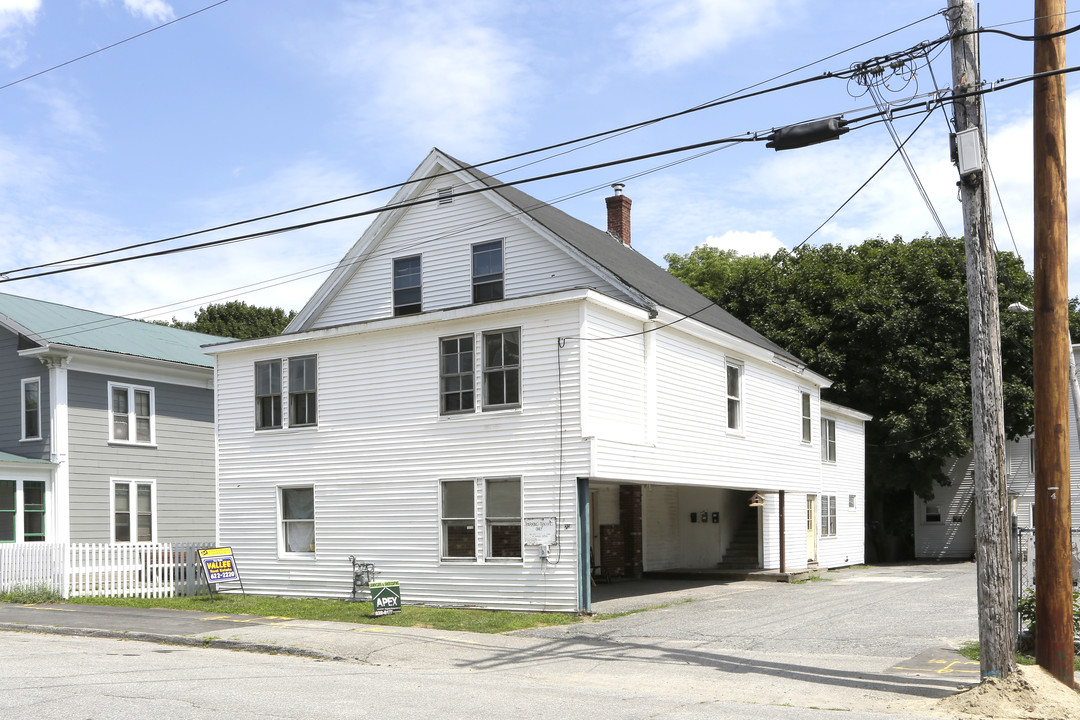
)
(742, 551)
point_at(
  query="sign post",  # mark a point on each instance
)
(219, 565)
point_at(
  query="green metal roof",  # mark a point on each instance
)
(9, 458)
(49, 323)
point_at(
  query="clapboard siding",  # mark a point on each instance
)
(443, 235)
(845, 479)
(13, 370)
(693, 443)
(181, 464)
(379, 453)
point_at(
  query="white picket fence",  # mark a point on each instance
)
(104, 570)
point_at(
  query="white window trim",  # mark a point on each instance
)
(20, 510)
(472, 275)
(286, 400)
(740, 428)
(828, 440)
(478, 390)
(477, 556)
(279, 520)
(828, 512)
(806, 422)
(133, 433)
(518, 559)
(23, 437)
(133, 508)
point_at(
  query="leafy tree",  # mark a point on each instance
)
(236, 319)
(887, 321)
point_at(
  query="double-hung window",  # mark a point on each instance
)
(828, 516)
(502, 510)
(828, 440)
(267, 394)
(500, 372)
(134, 503)
(31, 409)
(407, 285)
(22, 511)
(500, 499)
(734, 396)
(303, 388)
(458, 519)
(502, 369)
(298, 519)
(805, 416)
(131, 409)
(301, 376)
(456, 374)
(487, 271)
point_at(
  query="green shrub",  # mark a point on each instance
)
(30, 595)
(1026, 607)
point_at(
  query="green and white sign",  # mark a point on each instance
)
(385, 597)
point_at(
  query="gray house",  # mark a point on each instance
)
(106, 428)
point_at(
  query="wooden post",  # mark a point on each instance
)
(1053, 561)
(997, 619)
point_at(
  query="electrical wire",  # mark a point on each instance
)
(109, 47)
(746, 137)
(875, 93)
(895, 152)
(598, 137)
(5, 276)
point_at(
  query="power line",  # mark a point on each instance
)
(836, 212)
(597, 137)
(936, 98)
(109, 47)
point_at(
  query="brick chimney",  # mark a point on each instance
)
(618, 214)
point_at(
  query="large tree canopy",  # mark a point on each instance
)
(236, 319)
(887, 321)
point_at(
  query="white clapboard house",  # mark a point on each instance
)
(492, 401)
(945, 523)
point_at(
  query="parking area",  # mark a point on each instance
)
(891, 612)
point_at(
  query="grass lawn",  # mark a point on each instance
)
(480, 621)
(970, 650)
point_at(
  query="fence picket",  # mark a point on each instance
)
(104, 570)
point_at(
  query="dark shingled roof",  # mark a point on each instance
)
(630, 266)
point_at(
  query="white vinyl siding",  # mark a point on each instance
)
(378, 474)
(531, 265)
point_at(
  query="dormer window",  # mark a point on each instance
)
(487, 271)
(407, 286)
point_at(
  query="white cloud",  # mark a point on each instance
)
(761, 242)
(664, 33)
(429, 72)
(156, 10)
(15, 15)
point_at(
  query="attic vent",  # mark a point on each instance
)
(446, 195)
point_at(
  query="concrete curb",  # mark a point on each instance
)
(182, 640)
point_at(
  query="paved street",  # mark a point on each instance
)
(870, 641)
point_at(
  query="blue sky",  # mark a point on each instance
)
(255, 106)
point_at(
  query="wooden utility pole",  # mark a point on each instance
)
(1053, 561)
(997, 619)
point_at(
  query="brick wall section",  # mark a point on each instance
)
(612, 550)
(630, 521)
